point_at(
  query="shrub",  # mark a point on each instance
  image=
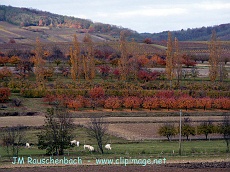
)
(4, 94)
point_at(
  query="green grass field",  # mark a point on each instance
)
(191, 150)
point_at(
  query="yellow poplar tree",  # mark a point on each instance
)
(75, 59)
(88, 58)
(213, 57)
(169, 58)
(124, 56)
(39, 64)
(177, 61)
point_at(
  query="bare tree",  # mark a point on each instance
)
(97, 129)
(12, 138)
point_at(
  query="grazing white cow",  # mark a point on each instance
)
(86, 146)
(77, 143)
(27, 145)
(108, 146)
(90, 148)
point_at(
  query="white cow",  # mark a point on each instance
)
(77, 143)
(108, 146)
(86, 146)
(27, 145)
(90, 148)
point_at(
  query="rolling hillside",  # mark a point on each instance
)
(23, 25)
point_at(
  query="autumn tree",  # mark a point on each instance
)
(151, 103)
(213, 57)
(206, 128)
(14, 60)
(88, 58)
(168, 103)
(4, 94)
(75, 60)
(112, 103)
(205, 103)
(132, 102)
(167, 130)
(39, 64)
(5, 73)
(133, 63)
(169, 59)
(177, 62)
(124, 57)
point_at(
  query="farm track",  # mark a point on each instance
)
(39, 120)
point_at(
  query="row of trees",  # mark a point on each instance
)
(97, 98)
(174, 60)
(187, 129)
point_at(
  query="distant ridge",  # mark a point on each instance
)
(32, 23)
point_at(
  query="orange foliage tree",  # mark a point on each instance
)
(14, 60)
(222, 103)
(168, 103)
(186, 102)
(151, 103)
(5, 73)
(132, 102)
(4, 94)
(4, 60)
(113, 103)
(96, 92)
(205, 103)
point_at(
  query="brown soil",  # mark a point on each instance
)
(190, 167)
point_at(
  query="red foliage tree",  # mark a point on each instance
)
(205, 103)
(168, 103)
(186, 60)
(186, 102)
(96, 92)
(165, 94)
(4, 60)
(151, 103)
(148, 41)
(104, 70)
(4, 94)
(117, 73)
(112, 103)
(222, 103)
(132, 102)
